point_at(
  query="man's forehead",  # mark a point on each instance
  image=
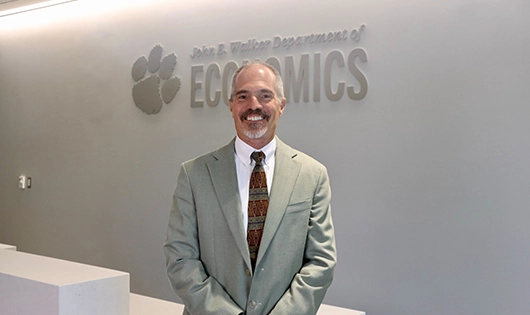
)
(256, 72)
(256, 90)
(255, 78)
(257, 67)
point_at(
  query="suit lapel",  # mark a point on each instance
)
(285, 175)
(224, 179)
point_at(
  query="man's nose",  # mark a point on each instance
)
(255, 102)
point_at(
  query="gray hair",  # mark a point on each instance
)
(279, 81)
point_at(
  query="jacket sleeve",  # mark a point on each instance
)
(200, 293)
(309, 286)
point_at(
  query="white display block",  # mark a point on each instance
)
(334, 310)
(38, 285)
(8, 247)
(143, 305)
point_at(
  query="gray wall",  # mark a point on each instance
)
(429, 171)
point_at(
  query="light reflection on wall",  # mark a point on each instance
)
(64, 13)
(16, 7)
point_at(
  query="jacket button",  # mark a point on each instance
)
(248, 272)
(252, 304)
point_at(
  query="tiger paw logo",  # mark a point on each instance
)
(156, 84)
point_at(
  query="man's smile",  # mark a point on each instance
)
(255, 115)
(254, 118)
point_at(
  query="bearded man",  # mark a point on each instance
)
(250, 228)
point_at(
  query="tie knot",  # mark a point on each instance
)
(258, 157)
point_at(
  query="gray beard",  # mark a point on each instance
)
(255, 134)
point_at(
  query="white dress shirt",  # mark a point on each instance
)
(244, 167)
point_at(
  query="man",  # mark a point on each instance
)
(288, 264)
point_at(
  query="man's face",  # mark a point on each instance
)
(255, 106)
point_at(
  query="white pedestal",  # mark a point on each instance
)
(38, 285)
(334, 310)
(8, 247)
(143, 305)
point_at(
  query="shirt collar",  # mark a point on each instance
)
(243, 151)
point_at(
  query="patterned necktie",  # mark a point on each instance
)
(258, 202)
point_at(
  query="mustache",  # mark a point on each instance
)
(254, 112)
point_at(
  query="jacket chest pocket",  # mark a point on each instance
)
(299, 206)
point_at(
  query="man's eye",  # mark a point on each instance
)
(266, 96)
(241, 97)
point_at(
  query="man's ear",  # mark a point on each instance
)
(282, 106)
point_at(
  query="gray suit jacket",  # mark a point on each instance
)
(208, 262)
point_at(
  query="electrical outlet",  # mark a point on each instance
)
(22, 182)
